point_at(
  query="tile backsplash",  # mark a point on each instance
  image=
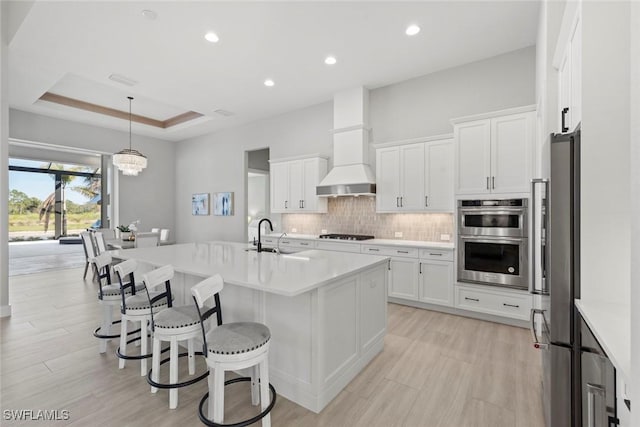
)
(357, 215)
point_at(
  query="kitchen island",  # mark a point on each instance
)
(326, 311)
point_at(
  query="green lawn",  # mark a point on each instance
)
(30, 222)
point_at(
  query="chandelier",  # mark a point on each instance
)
(130, 161)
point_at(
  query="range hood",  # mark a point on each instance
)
(351, 174)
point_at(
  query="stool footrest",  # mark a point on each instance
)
(138, 357)
(257, 418)
(108, 337)
(176, 385)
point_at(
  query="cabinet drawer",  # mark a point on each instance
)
(507, 304)
(437, 254)
(269, 241)
(297, 243)
(391, 251)
(338, 247)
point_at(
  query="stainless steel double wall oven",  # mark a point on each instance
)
(493, 247)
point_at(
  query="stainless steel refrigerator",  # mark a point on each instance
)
(555, 280)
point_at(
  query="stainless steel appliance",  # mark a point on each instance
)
(556, 280)
(493, 247)
(345, 237)
(598, 382)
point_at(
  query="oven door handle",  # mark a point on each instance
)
(493, 210)
(493, 239)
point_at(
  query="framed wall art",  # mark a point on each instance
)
(200, 204)
(223, 204)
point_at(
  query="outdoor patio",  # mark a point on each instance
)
(43, 255)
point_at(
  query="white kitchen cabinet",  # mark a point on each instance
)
(436, 282)
(569, 65)
(400, 178)
(438, 178)
(494, 300)
(293, 185)
(404, 278)
(415, 177)
(494, 155)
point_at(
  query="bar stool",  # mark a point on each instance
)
(109, 297)
(172, 325)
(137, 308)
(89, 251)
(229, 347)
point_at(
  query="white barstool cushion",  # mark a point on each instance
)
(114, 290)
(139, 302)
(177, 317)
(236, 338)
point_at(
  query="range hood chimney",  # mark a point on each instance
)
(351, 174)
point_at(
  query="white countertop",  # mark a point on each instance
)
(385, 242)
(611, 325)
(287, 275)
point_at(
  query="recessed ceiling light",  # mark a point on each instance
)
(211, 37)
(330, 60)
(150, 14)
(123, 79)
(269, 83)
(412, 30)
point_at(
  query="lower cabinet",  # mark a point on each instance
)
(436, 282)
(497, 301)
(404, 278)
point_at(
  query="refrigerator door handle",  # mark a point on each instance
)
(593, 390)
(542, 290)
(536, 342)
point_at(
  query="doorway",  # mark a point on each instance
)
(257, 190)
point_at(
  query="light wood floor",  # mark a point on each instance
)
(436, 370)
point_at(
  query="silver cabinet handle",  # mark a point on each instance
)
(285, 204)
(402, 252)
(420, 268)
(510, 305)
(487, 183)
(493, 182)
(594, 390)
(432, 254)
(472, 299)
(534, 335)
(397, 202)
(300, 204)
(303, 204)
(373, 249)
(401, 204)
(426, 201)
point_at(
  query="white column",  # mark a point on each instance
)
(5, 308)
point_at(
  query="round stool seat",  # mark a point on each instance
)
(177, 318)
(140, 303)
(236, 338)
(113, 291)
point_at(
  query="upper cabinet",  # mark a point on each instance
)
(293, 185)
(415, 177)
(494, 154)
(568, 61)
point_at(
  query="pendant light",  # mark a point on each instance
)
(130, 161)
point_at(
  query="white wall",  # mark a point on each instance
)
(5, 308)
(635, 207)
(414, 108)
(149, 196)
(423, 106)
(215, 162)
(605, 191)
(257, 189)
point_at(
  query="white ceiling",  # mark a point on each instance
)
(74, 47)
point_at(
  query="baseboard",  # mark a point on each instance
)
(5, 310)
(459, 312)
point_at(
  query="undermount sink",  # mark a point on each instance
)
(272, 250)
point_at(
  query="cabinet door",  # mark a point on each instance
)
(388, 179)
(279, 187)
(511, 145)
(438, 184)
(576, 76)
(412, 177)
(404, 278)
(313, 170)
(473, 157)
(436, 282)
(296, 185)
(564, 93)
